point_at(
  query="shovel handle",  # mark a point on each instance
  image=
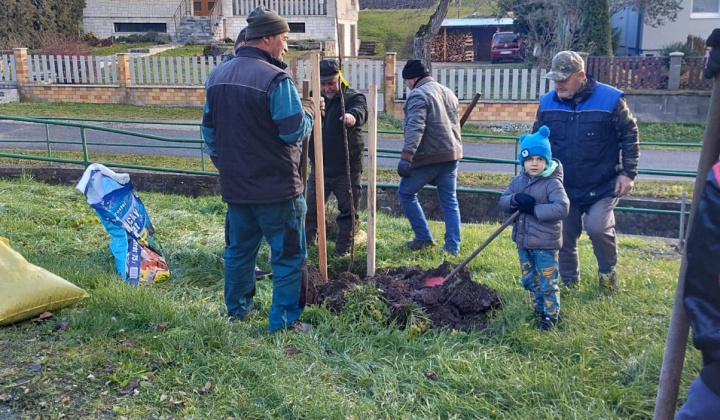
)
(482, 246)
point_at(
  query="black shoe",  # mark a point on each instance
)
(261, 273)
(546, 323)
(417, 245)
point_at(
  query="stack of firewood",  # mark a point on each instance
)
(456, 46)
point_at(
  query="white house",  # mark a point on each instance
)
(333, 22)
(698, 17)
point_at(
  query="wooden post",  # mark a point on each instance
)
(372, 178)
(319, 171)
(390, 83)
(674, 356)
(305, 144)
(444, 44)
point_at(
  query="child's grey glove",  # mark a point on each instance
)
(403, 168)
(525, 202)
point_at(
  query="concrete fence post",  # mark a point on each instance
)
(390, 82)
(675, 69)
(21, 66)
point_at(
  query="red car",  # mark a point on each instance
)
(506, 46)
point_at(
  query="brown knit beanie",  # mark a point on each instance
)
(264, 22)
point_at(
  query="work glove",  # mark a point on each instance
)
(403, 168)
(525, 202)
(308, 106)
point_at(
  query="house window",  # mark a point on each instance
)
(297, 28)
(705, 8)
(140, 27)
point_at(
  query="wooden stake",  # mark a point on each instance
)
(674, 356)
(305, 144)
(319, 172)
(372, 178)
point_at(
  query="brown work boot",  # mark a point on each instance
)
(301, 327)
(608, 282)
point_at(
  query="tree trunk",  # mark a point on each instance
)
(426, 34)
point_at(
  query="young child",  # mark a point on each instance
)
(537, 192)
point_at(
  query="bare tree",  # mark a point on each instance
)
(655, 12)
(425, 35)
(548, 26)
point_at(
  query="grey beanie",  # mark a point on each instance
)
(240, 38)
(264, 22)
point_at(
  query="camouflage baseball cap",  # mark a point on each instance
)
(564, 64)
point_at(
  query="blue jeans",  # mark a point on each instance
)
(540, 277)
(283, 227)
(445, 177)
(701, 403)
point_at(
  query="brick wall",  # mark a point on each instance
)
(487, 112)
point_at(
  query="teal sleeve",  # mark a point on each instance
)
(293, 123)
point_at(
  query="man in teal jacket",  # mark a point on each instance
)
(255, 122)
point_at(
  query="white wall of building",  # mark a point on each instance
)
(687, 23)
(99, 16)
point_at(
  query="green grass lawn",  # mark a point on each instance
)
(172, 339)
(121, 47)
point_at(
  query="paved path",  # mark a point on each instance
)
(685, 160)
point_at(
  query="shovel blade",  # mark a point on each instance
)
(435, 281)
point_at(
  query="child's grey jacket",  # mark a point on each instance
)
(543, 230)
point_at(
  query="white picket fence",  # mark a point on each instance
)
(63, 69)
(7, 68)
(359, 73)
(184, 71)
(493, 83)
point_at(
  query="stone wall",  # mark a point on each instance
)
(474, 207)
(669, 106)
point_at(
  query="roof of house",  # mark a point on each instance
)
(449, 23)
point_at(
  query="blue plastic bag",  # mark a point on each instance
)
(137, 251)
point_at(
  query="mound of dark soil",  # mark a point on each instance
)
(459, 304)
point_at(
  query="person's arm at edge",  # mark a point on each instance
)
(208, 131)
(357, 106)
(293, 123)
(628, 137)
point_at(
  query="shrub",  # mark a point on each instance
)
(55, 44)
(155, 37)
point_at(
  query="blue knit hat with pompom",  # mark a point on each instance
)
(535, 145)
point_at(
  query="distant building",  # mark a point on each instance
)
(696, 18)
(332, 22)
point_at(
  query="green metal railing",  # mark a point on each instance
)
(197, 144)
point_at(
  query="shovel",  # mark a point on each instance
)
(438, 281)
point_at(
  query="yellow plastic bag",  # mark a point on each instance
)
(27, 290)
